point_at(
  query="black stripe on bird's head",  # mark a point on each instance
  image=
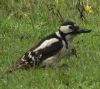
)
(70, 28)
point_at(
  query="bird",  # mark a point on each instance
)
(50, 50)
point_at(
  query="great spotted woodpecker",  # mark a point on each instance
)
(51, 49)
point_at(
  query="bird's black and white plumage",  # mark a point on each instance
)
(51, 49)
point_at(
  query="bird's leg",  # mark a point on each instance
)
(53, 66)
(74, 52)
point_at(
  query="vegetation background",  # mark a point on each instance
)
(24, 22)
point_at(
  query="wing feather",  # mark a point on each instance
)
(47, 52)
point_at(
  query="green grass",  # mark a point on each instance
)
(19, 33)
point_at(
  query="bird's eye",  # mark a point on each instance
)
(71, 27)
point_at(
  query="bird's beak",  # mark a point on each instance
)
(81, 30)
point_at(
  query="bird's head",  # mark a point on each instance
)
(69, 29)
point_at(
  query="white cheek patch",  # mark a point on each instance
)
(65, 29)
(47, 43)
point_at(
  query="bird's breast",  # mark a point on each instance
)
(65, 51)
(62, 52)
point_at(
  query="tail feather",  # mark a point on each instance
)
(19, 64)
(8, 71)
(25, 62)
